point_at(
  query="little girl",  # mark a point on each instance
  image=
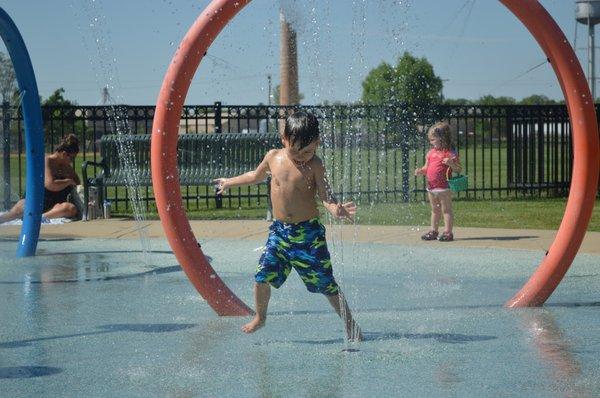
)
(439, 159)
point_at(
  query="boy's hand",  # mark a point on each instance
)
(345, 211)
(419, 171)
(220, 185)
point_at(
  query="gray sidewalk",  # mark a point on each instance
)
(524, 239)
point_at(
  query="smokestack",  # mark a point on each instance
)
(288, 89)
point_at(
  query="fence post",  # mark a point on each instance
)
(541, 159)
(509, 149)
(218, 124)
(405, 168)
(218, 130)
(6, 148)
(405, 159)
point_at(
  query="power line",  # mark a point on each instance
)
(547, 60)
(222, 62)
(456, 14)
(464, 26)
(157, 85)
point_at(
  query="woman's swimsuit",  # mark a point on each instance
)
(52, 198)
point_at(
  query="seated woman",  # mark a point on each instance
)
(59, 180)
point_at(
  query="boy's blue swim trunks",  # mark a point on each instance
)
(303, 247)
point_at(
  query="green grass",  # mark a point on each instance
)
(365, 170)
(373, 170)
(512, 214)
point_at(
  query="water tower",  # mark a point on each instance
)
(587, 12)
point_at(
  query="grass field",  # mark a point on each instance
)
(513, 214)
(370, 170)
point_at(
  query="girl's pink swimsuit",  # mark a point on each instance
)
(436, 169)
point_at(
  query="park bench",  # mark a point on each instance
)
(200, 158)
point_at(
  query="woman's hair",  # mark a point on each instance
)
(69, 144)
(442, 131)
(302, 126)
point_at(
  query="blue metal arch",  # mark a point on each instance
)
(34, 135)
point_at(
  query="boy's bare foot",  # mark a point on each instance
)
(252, 326)
(356, 337)
(354, 334)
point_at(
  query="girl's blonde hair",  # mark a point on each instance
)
(442, 131)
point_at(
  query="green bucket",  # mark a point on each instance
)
(458, 183)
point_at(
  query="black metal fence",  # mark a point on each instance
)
(370, 151)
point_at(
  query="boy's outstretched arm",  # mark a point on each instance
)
(252, 177)
(338, 210)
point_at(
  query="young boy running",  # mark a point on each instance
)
(297, 236)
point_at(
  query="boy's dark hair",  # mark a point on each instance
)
(302, 126)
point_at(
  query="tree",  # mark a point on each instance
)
(379, 87)
(456, 101)
(333, 103)
(410, 88)
(491, 100)
(537, 99)
(56, 110)
(57, 98)
(8, 80)
(412, 82)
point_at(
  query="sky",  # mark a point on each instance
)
(476, 46)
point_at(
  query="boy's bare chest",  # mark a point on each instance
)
(299, 178)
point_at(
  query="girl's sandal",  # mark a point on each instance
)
(446, 237)
(431, 235)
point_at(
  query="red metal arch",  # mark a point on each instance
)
(586, 163)
(168, 194)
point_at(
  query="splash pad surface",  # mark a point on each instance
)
(217, 15)
(98, 317)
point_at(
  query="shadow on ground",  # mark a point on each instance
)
(27, 372)
(448, 338)
(506, 238)
(118, 327)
